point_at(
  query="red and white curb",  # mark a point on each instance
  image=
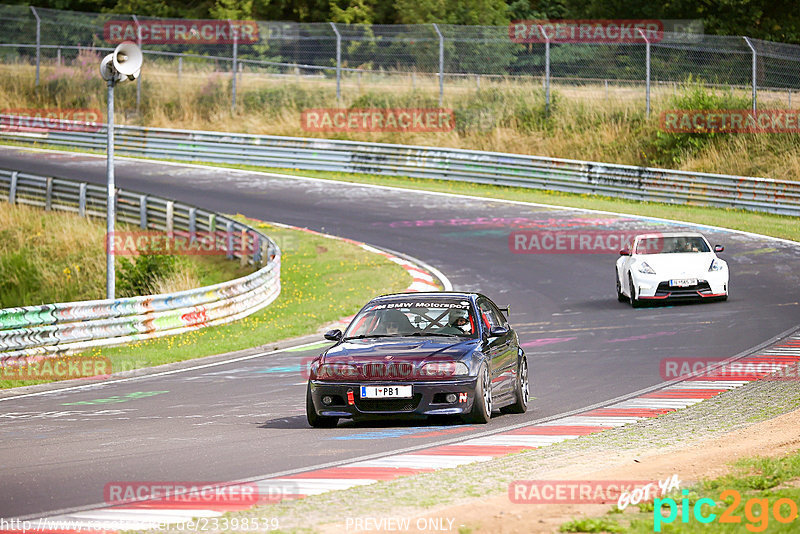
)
(678, 395)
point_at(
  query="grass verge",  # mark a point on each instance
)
(58, 256)
(322, 280)
(760, 494)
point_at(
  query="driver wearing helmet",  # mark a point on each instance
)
(459, 323)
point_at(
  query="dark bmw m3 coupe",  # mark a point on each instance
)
(420, 354)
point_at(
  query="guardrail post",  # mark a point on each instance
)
(243, 247)
(48, 196)
(82, 199)
(138, 78)
(38, 42)
(755, 58)
(338, 63)
(212, 223)
(12, 191)
(192, 225)
(234, 33)
(229, 240)
(143, 212)
(546, 70)
(647, 69)
(170, 222)
(256, 249)
(441, 63)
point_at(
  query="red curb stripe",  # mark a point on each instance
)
(563, 430)
(474, 450)
(629, 412)
(683, 394)
(375, 473)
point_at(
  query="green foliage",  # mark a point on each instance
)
(670, 148)
(139, 277)
(523, 110)
(274, 99)
(386, 99)
(19, 278)
(591, 525)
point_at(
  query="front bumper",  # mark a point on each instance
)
(428, 399)
(653, 287)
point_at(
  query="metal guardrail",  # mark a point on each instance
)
(75, 326)
(583, 177)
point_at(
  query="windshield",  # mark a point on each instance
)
(439, 317)
(671, 245)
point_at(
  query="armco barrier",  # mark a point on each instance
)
(74, 326)
(625, 181)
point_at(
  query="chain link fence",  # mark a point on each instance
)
(420, 57)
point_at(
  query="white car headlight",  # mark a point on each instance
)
(716, 265)
(645, 269)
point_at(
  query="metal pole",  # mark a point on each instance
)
(546, 71)
(647, 63)
(38, 42)
(441, 64)
(138, 78)
(338, 62)
(233, 66)
(180, 67)
(755, 95)
(110, 199)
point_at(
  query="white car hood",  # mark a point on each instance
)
(679, 265)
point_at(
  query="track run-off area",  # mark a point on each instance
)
(246, 418)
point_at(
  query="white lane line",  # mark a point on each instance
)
(709, 384)
(422, 461)
(308, 486)
(656, 403)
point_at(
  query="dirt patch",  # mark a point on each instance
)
(707, 458)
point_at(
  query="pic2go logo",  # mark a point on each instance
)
(756, 511)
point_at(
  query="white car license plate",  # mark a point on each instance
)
(386, 392)
(683, 282)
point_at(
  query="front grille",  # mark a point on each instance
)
(387, 370)
(388, 405)
(664, 289)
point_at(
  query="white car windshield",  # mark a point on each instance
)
(439, 317)
(671, 245)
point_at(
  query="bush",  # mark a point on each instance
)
(274, 99)
(139, 277)
(671, 148)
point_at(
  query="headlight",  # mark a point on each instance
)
(716, 265)
(443, 369)
(645, 269)
(336, 371)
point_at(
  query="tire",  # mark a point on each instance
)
(482, 405)
(636, 303)
(315, 420)
(521, 389)
(620, 295)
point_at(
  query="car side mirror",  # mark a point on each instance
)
(334, 335)
(497, 331)
(718, 248)
(625, 252)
